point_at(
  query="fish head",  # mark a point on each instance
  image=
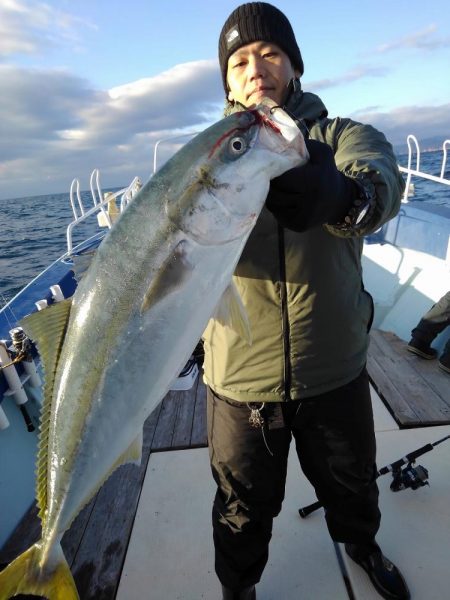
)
(228, 185)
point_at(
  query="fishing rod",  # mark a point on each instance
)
(403, 476)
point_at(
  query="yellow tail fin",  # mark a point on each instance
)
(25, 576)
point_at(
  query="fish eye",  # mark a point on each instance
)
(237, 145)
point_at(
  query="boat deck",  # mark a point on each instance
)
(415, 391)
(97, 544)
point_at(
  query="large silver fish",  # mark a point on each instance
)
(111, 353)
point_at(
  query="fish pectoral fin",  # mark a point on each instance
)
(133, 453)
(170, 276)
(25, 575)
(231, 312)
(47, 328)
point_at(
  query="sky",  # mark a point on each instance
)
(90, 84)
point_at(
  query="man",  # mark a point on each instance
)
(434, 322)
(299, 278)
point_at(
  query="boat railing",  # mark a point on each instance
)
(430, 224)
(104, 205)
(167, 139)
(413, 151)
(413, 170)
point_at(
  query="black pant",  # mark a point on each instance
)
(434, 322)
(335, 442)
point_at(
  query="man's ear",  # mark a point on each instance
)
(230, 96)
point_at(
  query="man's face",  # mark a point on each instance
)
(259, 70)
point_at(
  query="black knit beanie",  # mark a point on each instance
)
(253, 22)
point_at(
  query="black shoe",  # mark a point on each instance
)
(248, 593)
(386, 578)
(422, 349)
(444, 363)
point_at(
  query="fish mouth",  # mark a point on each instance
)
(274, 117)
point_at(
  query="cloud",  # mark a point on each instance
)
(32, 27)
(421, 40)
(424, 122)
(39, 104)
(59, 126)
(355, 74)
(180, 97)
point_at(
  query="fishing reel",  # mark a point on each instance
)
(403, 476)
(20, 350)
(409, 477)
(22, 347)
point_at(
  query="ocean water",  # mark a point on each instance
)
(33, 229)
(33, 235)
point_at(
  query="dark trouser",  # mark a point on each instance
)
(434, 322)
(335, 442)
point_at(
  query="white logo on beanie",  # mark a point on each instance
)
(231, 36)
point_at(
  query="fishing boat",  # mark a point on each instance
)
(133, 540)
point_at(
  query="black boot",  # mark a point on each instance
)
(422, 349)
(386, 578)
(248, 593)
(444, 362)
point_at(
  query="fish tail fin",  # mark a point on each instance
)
(25, 576)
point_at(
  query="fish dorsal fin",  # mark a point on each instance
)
(47, 328)
(231, 312)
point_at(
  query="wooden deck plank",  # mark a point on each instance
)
(102, 548)
(398, 408)
(415, 392)
(412, 378)
(199, 434)
(71, 541)
(27, 532)
(182, 432)
(167, 422)
(408, 383)
(101, 551)
(438, 381)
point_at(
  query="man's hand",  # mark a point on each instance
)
(313, 194)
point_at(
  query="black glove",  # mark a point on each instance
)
(312, 194)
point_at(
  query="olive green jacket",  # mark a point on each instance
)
(308, 311)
